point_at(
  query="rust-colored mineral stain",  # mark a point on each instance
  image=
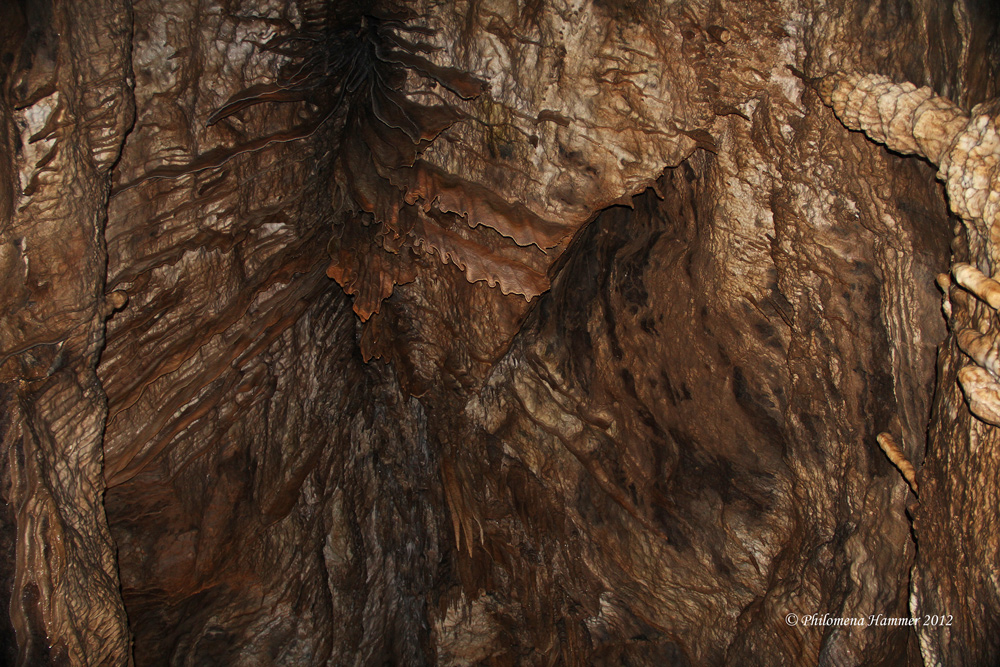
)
(558, 332)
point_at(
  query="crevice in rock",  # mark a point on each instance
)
(476, 333)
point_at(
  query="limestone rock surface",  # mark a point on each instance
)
(502, 332)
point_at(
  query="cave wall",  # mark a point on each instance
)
(500, 333)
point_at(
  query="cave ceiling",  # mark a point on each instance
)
(583, 332)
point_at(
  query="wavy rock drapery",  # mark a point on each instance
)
(493, 332)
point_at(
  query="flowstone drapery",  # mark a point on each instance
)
(496, 332)
(966, 149)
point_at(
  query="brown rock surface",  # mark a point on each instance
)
(555, 332)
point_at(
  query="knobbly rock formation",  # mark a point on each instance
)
(498, 333)
(966, 149)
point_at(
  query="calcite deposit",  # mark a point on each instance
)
(966, 149)
(582, 332)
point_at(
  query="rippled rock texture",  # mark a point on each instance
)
(488, 333)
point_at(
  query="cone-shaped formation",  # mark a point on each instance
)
(914, 120)
(905, 118)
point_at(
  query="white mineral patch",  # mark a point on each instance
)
(33, 119)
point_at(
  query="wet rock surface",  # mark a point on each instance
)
(489, 333)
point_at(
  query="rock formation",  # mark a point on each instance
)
(584, 332)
